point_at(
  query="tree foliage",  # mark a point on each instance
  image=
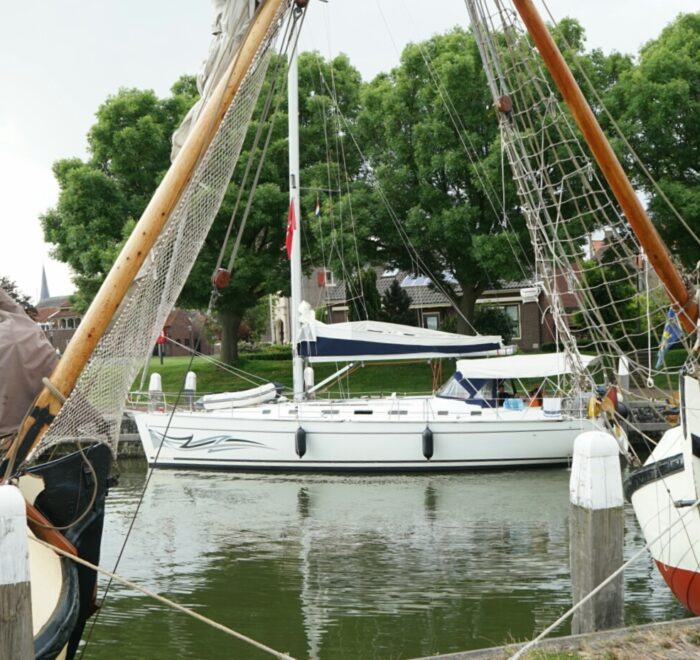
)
(658, 101)
(434, 157)
(101, 198)
(363, 296)
(12, 290)
(396, 305)
(492, 320)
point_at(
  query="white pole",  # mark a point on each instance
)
(272, 320)
(293, 109)
(16, 636)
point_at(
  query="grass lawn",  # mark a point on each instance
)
(402, 378)
(371, 379)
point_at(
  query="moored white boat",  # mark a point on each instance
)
(459, 428)
(665, 499)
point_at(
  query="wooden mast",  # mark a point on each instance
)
(134, 253)
(654, 247)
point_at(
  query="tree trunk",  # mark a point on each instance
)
(230, 324)
(467, 304)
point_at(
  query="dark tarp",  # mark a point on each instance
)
(26, 356)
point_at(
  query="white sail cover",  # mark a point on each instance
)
(374, 340)
(231, 20)
(520, 366)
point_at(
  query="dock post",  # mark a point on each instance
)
(156, 400)
(16, 635)
(596, 531)
(190, 389)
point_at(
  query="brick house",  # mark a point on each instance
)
(58, 320)
(185, 328)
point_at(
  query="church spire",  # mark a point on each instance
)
(44, 286)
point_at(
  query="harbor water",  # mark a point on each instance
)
(348, 567)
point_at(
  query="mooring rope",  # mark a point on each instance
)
(601, 586)
(165, 601)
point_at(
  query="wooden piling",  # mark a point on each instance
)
(596, 532)
(16, 635)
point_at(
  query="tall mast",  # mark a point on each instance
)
(295, 262)
(646, 233)
(134, 253)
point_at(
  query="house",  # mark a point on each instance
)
(523, 302)
(186, 331)
(58, 319)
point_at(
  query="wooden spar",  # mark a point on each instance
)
(646, 233)
(126, 267)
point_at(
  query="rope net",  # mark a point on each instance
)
(603, 296)
(94, 409)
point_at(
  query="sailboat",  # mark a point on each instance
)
(462, 426)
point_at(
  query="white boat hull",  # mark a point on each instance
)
(359, 435)
(664, 494)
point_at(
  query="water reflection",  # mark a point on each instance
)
(347, 567)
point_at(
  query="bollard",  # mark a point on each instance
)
(596, 531)
(155, 394)
(309, 382)
(190, 389)
(16, 635)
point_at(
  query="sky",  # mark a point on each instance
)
(60, 59)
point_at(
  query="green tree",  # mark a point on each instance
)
(363, 297)
(261, 266)
(101, 198)
(10, 287)
(491, 320)
(414, 132)
(396, 305)
(614, 297)
(659, 103)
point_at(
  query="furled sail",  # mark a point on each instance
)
(231, 21)
(374, 340)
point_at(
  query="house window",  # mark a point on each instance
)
(431, 321)
(513, 312)
(325, 277)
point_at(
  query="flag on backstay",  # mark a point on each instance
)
(291, 228)
(672, 333)
(317, 211)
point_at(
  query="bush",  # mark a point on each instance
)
(490, 320)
